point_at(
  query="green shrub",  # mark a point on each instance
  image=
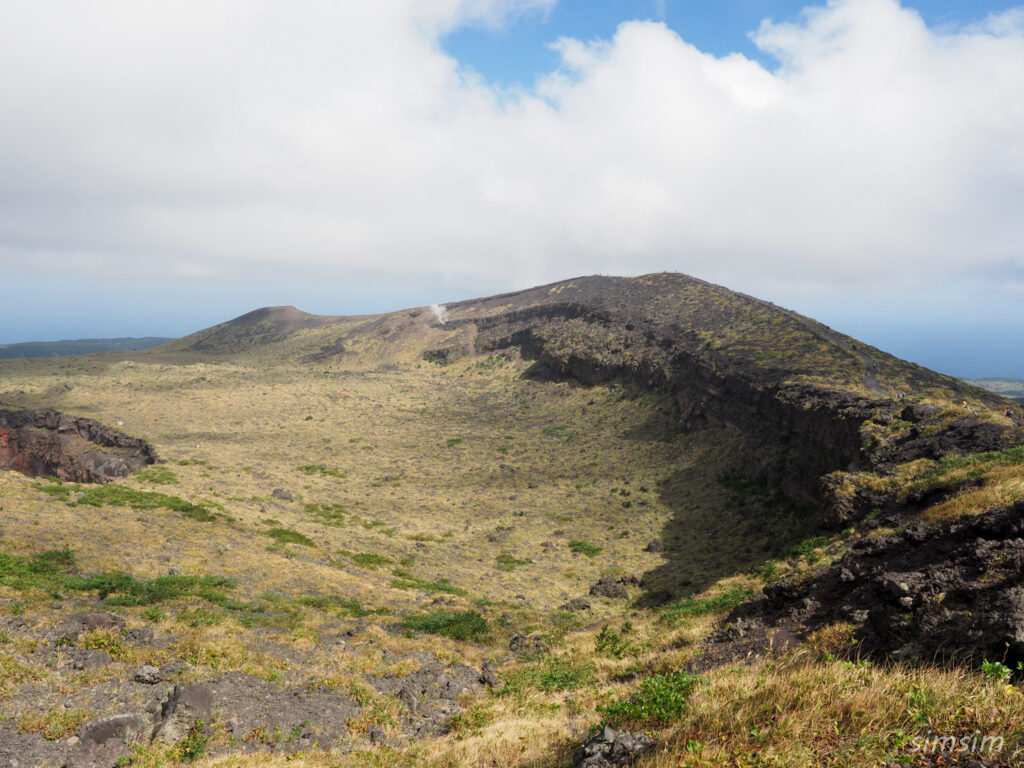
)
(321, 469)
(407, 580)
(614, 644)
(121, 496)
(507, 562)
(55, 571)
(464, 625)
(340, 605)
(193, 746)
(370, 559)
(590, 550)
(557, 673)
(659, 700)
(288, 536)
(807, 547)
(156, 475)
(451, 442)
(998, 672)
(201, 514)
(701, 606)
(329, 514)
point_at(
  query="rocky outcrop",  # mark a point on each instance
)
(50, 444)
(609, 586)
(935, 591)
(430, 695)
(611, 748)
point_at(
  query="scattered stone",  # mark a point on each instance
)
(612, 748)
(282, 494)
(182, 709)
(609, 587)
(67, 631)
(139, 636)
(527, 644)
(407, 695)
(576, 604)
(632, 580)
(88, 659)
(125, 728)
(920, 412)
(489, 675)
(148, 675)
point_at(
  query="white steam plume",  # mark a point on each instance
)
(440, 313)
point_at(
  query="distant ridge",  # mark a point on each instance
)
(1006, 387)
(79, 346)
(253, 329)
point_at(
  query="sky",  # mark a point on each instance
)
(167, 166)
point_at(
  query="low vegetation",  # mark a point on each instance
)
(54, 572)
(464, 625)
(406, 580)
(585, 548)
(288, 536)
(703, 606)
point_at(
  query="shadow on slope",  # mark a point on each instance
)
(723, 522)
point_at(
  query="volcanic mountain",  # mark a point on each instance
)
(469, 534)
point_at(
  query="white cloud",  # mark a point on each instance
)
(225, 139)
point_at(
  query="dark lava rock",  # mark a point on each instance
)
(182, 709)
(920, 412)
(67, 631)
(124, 728)
(250, 708)
(527, 644)
(576, 604)
(139, 636)
(148, 675)
(431, 693)
(611, 747)
(88, 659)
(489, 675)
(50, 444)
(942, 591)
(609, 587)
(111, 753)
